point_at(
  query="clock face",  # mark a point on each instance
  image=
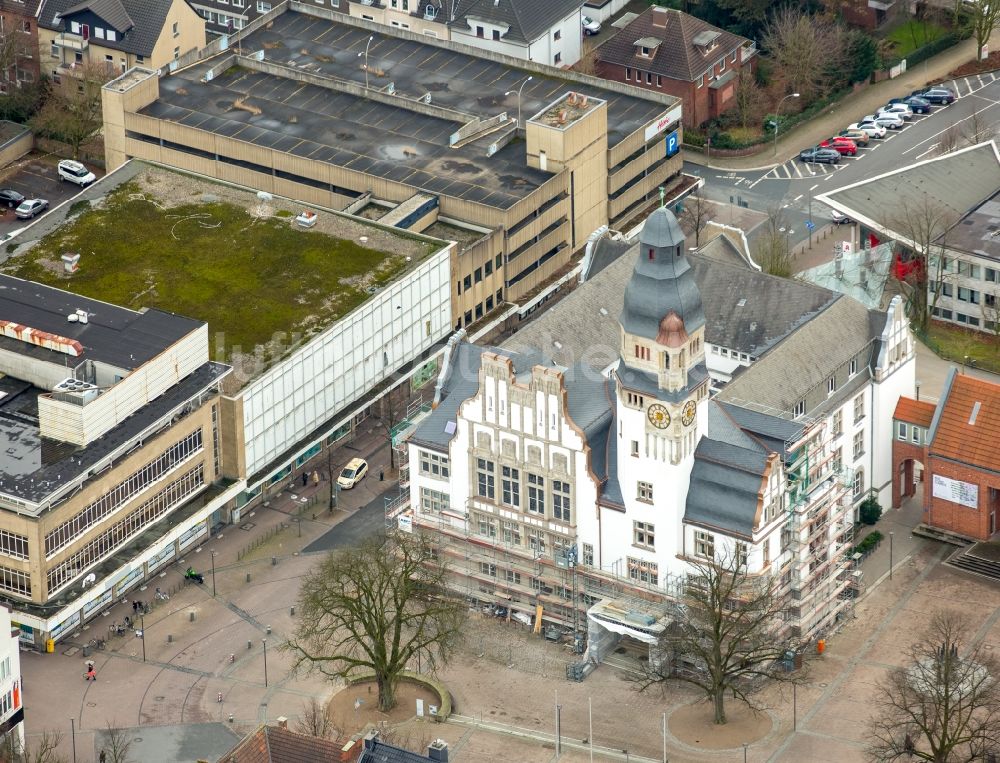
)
(658, 416)
(688, 413)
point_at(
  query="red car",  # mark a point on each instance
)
(845, 146)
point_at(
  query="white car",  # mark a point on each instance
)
(898, 108)
(75, 172)
(591, 26)
(871, 129)
(892, 121)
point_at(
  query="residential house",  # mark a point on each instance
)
(18, 43)
(950, 447)
(546, 32)
(584, 466)
(277, 744)
(118, 34)
(227, 16)
(942, 210)
(672, 52)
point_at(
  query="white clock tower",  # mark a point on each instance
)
(663, 384)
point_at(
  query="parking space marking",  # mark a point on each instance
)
(814, 187)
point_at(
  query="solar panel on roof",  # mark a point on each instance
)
(450, 427)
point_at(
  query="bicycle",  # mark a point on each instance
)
(99, 643)
(161, 595)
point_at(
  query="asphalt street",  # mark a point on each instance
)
(363, 523)
(792, 184)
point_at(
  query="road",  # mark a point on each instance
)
(792, 184)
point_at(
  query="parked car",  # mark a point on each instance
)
(591, 26)
(936, 94)
(892, 121)
(845, 146)
(871, 129)
(897, 108)
(839, 218)
(917, 104)
(75, 172)
(817, 154)
(353, 473)
(10, 197)
(31, 207)
(858, 136)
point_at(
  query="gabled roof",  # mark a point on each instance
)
(527, 20)
(20, 7)
(918, 412)
(377, 751)
(968, 423)
(678, 57)
(273, 744)
(139, 22)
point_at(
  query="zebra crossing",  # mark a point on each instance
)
(793, 169)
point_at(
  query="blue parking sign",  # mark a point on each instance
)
(810, 225)
(673, 143)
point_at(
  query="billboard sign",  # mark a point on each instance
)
(956, 491)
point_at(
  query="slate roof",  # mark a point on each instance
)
(727, 476)
(977, 232)
(954, 184)
(677, 57)
(527, 19)
(113, 335)
(377, 751)
(140, 22)
(918, 412)
(20, 7)
(585, 322)
(967, 423)
(273, 744)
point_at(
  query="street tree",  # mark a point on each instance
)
(770, 248)
(807, 50)
(983, 16)
(921, 225)
(696, 213)
(117, 744)
(375, 608)
(315, 721)
(727, 635)
(943, 705)
(40, 748)
(72, 111)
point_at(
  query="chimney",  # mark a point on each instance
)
(438, 750)
(370, 738)
(282, 722)
(660, 16)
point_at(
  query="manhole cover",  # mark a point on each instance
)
(248, 526)
(71, 651)
(91, 704)
(136, 739)
(159, 698)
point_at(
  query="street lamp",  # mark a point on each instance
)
(142, 635)
(72, 731)
(213, 574)
(777, 119)
(365, 54)
(509, 92)
(264, 642)
(890, 554)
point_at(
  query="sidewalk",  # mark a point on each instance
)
(846, 111)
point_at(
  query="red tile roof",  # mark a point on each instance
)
(273, 744)
(918, 412)
(969, 400)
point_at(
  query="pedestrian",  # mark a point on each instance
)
(91, 673)
(381, 475)
(315, 478)
(135, 607)
(305, 479)
(103, 757)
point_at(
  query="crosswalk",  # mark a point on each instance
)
(794, 169)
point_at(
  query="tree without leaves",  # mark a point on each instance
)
(72, 112)
(943, 706)
(117, 744)
(695, 214)
(748, 97)
(807, 50)
(983, 15)
(375, 608)
(727, 635)
(770, 247)
(315, 721)
(41, 749)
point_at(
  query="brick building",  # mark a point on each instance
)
(951, 446)
(672, 52)
(18, 43)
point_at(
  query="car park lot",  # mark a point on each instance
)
(36, 179)
(928, 127)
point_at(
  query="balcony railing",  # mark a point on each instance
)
(71, 41)
(747, 52)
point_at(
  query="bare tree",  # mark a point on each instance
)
(41, 749)
(728, 635)
(117, 744)
(315, 721)
(943, 705)
(373, 609)
(748, 97)
(991, 316)
(72, 112)
(978, 129)
(771, 249)
(921, 226)
(983, 16)
(409, 738)
(806, 49)
(696, 213)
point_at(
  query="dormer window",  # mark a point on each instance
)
(646, 46)
(644, 51)
(430, 12)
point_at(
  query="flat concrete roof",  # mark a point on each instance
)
(979, 231)
(382, 140)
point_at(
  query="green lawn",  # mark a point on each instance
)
(955, 344)
(247, 278)
(913, 34)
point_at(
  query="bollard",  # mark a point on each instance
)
(170, 638)
(219, 696)
(249, 645)
(293, 611)
(190, 617)
(269, 630)
(274, 560)
(248, 577)
(230, 717)
(232, 658)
